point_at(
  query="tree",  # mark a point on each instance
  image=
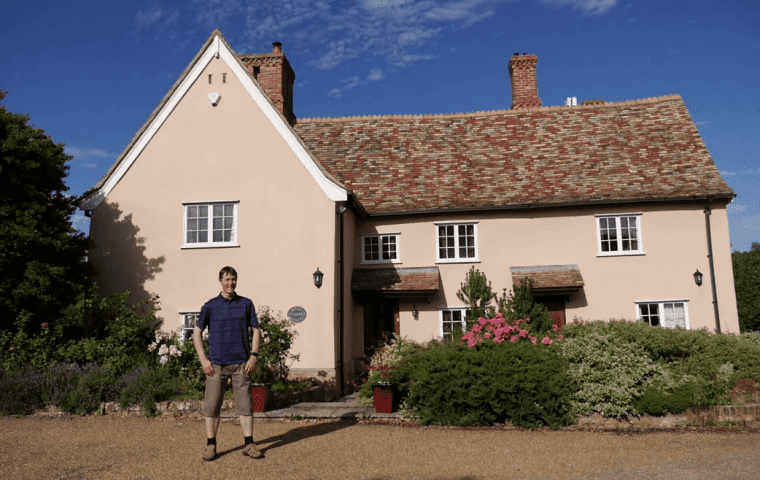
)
(747, 283)
(520, 304)
(476, 293)
(42, 256)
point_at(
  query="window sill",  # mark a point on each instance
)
(381, 262)
(458, 260)
(191, 246)
(621, 254)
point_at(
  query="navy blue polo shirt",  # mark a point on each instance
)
(228, 322)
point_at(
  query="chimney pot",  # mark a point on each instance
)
(277, 47)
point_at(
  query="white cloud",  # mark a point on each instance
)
(155, 14)
(332, 32)
(589, 7)
(376, 74)
(81, 153)
(348, 84)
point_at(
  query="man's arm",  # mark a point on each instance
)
(250, 365)
(205, 362)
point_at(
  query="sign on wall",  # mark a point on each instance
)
(297, 314)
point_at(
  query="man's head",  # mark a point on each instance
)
(228, 281)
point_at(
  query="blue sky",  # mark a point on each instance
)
(90, 72)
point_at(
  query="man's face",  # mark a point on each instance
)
(228, 283)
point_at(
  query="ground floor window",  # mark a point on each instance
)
(452, 319)
(666, 313)
(189, 319)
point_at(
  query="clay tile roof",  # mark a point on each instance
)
(389, 280)
(548, 278)
(641, 150)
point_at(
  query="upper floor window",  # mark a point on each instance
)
(210, 224)
(619, 234)
(665, 313)
(380, 248)
(457, 242)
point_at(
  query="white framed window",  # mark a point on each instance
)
(210, 224)
(664, 313)
(381, 248)
(189, 320)
(456, 242)
(451, 320)
(619, 234)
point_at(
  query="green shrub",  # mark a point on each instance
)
(147, 386)
(119, 333)
(515, 383)
(21, 391)
(93, 386)
(658, 402)
(277, 336)
(609, 372)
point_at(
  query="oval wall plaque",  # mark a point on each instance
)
(297, 314)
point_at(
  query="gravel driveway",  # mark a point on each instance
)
(139, 448)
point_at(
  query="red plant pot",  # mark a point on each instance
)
(385, 396)
(259, 396)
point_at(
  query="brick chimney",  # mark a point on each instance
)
(522, 73)
(276, 77)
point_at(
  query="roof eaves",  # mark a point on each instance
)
(544, 206)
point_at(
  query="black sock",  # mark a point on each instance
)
(248, 440)
(211, 441)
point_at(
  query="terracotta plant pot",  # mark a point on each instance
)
(385, 396)
(259, 396)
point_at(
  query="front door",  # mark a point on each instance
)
(556, 307)
(380, 320)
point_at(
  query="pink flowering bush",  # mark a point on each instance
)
(498, 330)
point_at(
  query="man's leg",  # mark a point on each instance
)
(241, 389)
(212, 406)
(212, 425)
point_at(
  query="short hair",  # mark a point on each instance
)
(229, 270)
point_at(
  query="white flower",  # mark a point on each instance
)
(163, 360)
(174, 351)
(152, 346)
(266, 339)
(163, 350)
(158, 336)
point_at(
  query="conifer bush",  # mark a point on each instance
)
(517, 383)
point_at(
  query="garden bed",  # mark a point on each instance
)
(192, 408)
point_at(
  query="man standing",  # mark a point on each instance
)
(231, 355)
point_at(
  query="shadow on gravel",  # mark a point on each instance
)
(301, 433)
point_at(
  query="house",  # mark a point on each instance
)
(610, 208)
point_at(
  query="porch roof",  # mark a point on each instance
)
(550, 279)
(396, 281)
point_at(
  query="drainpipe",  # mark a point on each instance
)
(712, 266)
(341, 272)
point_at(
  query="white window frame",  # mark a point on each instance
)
(461, 310)
(619, 251)
(380, 244)
(457, 259)
(661, 310)
(186, 331)
(210, 227)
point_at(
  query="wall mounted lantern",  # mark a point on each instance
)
(698, 278)
(318, 278)
(415, 312)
